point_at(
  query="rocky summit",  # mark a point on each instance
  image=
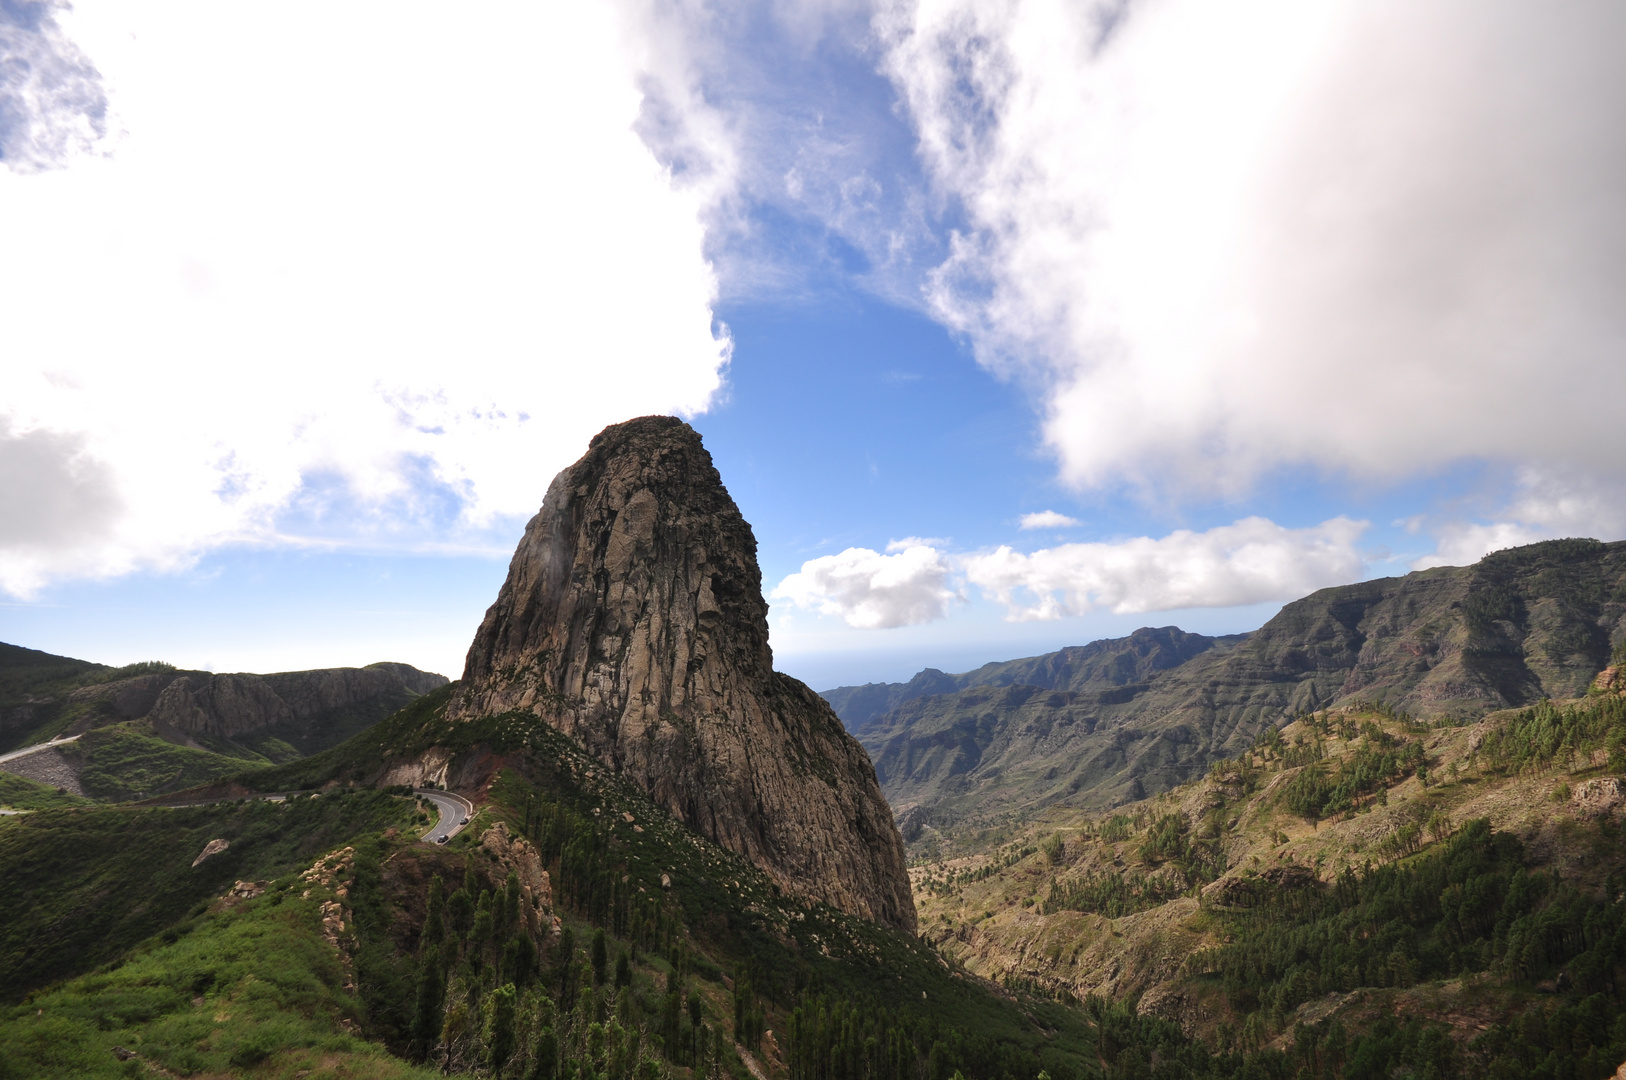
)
(633, 620)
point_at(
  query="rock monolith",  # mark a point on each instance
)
(633, 620)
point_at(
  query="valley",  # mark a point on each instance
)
(1355, 876)
(1381, 836)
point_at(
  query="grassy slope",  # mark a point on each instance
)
(93, 883)
(34, 692)
(254, 987)
(127, 761)
(82, 885)
(20, 793)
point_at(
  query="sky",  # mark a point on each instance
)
(1010, 325)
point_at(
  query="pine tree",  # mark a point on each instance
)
(426, 1016)
(601, 957)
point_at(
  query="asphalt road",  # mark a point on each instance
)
(455, 810)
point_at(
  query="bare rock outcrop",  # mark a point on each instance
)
(212, 848)
(633, 620)
(519, 855)
(426, 770)
(1599, 797)
(236, 704)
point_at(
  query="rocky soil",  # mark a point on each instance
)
(48, 766)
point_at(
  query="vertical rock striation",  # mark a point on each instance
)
(633, 620)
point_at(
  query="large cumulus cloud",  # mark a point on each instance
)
(1373, 239)
(354, 274)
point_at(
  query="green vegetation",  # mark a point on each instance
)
(835, 1039)
(1568, 736)
(123, 762)
(1469, 906)
(1189, 860)
(719, 912)
(1116, 828)
(1112, 895)
(82, 885)
(28, 670)
(1378, 761)
(20, 793)
(255, 988)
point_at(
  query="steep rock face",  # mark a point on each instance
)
(633, 620)
(290, 703)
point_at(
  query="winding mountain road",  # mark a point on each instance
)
(455, 812)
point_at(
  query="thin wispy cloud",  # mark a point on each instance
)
(52, 102)
(1047, 519)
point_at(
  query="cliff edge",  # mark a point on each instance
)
(633, 620)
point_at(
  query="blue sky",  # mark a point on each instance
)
(1258, 301)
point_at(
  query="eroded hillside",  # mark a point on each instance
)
(1354, 869)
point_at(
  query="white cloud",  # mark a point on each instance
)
(873, 591)
(1545, 504)
(366, 256)
(1047, 519)
(1463, 543)
(1373, 238)
(52, 105)
(1248, 562)
(894, 546)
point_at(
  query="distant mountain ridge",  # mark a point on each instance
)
(153, 727)
(1101, 666)
(1117, 720)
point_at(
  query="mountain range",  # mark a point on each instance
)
(1360, 841)
(148, 728)
(1117, 720)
